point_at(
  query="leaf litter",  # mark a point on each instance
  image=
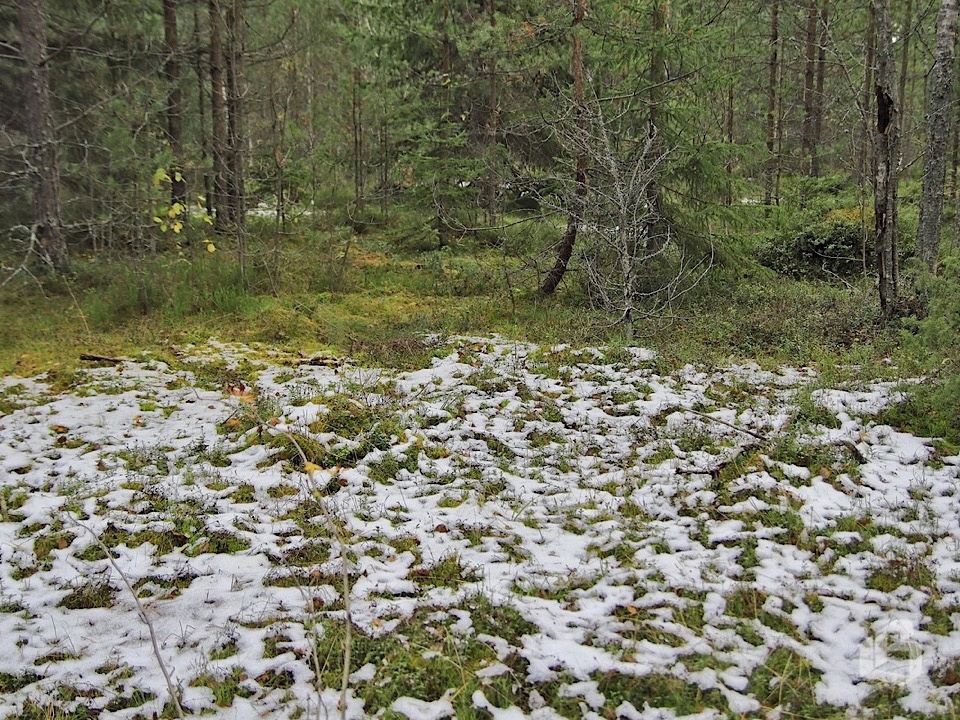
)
(528, 531)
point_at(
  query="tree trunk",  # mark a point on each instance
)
(202, 113)
(809, 73)
(938, 117)
(493, 119)
(773, 82)
(235, 126)
(866, 138)
(955, 148)
(658, 78)
(446, 69)
(819, 95)
(171, 72)
(236, 186)
(728, 136)
(356, 125)
(218, 113)
(886, 160)
(906, 31)
(43, 168)
(565, 252)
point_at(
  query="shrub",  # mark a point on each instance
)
(933, 407)
(833, 248)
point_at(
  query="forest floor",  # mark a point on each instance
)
(526, 532)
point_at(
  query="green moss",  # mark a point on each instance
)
(90, 594)
(788, 680)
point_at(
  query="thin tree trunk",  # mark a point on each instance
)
(773, 82)
(171, 72)
(198, 68)
(809, 73)
(818, 99)
(356, 123)
(866, 139)
(446, 60)
(218, 113)
(384, 159)
(569, 239)
(493, 119)
(906, 32)
(778, 130)
(886, 158)
(235, 117)
(44, 167)
(938, 117)
(728, 136)
(955, 149)
(658, 78)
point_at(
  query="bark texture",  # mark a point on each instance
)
(43, 166)
(218, 119)
(171, 72)
(809, 74)
(886, 158)
(235, 92)
(938, 119)
(773, 82)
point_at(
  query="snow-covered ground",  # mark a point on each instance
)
(561, 533)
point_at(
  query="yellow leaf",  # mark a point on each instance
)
(311, 468)
(177, 227)
(177, 176)
(159, 176)
(163, 227)
(211, 247)
(157, 220)
(208, 220)
(175, 209)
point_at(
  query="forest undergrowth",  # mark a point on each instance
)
(398, 437)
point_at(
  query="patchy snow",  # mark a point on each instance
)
(621, 530)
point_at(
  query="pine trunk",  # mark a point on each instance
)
(902, 93)
(171, 72)
(198, 67)
(218, 120)
(44, 168)
(938, 117)
(809, 74)
(235, 128)
(493, 121)
(356, 126)
(655, 235)
(818, 99)
(236, 187)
